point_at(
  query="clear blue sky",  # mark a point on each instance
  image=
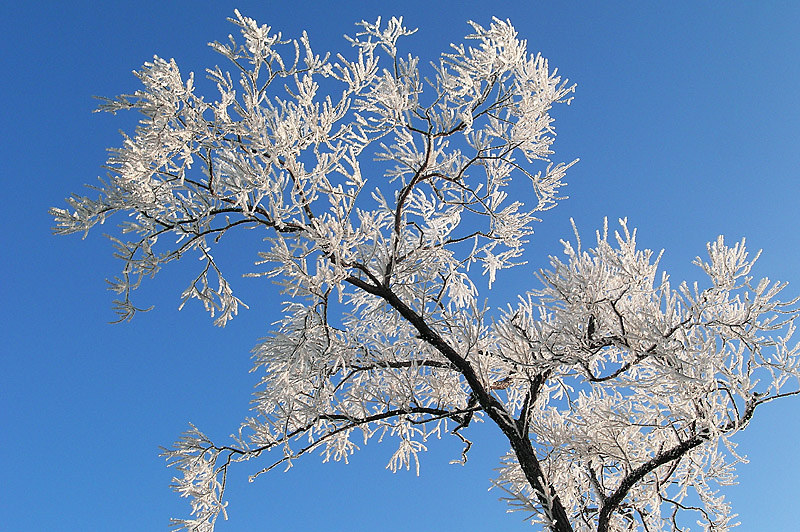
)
(686, 120)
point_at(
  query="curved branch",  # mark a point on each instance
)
(613, 501)
(518, 439)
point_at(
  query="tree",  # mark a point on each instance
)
(618, 393)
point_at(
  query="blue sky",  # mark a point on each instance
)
(686, 120)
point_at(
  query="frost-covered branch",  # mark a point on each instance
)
(380, 189)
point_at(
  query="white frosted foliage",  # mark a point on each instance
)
(383, 191)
